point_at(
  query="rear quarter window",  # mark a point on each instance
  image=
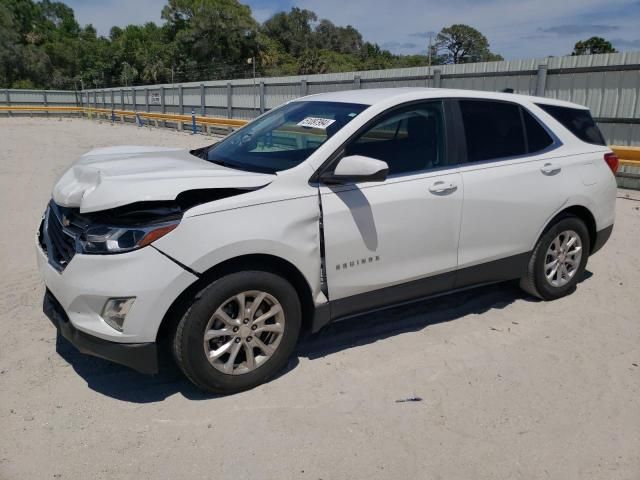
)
(577, 121)
(537, 137)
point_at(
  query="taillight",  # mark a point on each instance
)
(613, 161)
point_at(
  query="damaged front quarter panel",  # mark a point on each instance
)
(285, 228)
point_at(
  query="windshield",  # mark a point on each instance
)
(284, 137)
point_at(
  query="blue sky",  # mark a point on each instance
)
(515, 28)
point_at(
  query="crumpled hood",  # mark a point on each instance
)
(115, 176)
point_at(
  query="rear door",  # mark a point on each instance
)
(379, 236)
(513, 183)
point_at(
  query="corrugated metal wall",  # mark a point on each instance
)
(608, 84)
(39, 97)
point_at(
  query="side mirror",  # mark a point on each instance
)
(357, 168)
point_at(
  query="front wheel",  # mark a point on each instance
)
(558, 260)
(239, 332)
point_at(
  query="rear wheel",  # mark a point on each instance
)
(239, 332)
(559, 259)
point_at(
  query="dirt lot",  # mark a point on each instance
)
(511, 388)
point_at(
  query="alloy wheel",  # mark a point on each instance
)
(244, 332)
(563, 258)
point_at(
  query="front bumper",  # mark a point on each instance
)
(142, 357)
(88, 281)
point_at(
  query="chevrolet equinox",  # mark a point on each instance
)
(326, 207)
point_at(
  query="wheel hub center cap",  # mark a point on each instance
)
(245, 331)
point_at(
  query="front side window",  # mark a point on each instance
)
(408, 140)
(283, 138)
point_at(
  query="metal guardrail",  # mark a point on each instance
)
(627, 155)
(38, 108)
(111, 114)
(628, 175)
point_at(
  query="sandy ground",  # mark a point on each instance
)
(511, 388)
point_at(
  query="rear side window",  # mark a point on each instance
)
(497, 130)
(493, 130)
(577, 121)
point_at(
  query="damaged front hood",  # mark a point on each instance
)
(116, 176)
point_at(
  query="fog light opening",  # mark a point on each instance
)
(115, 311)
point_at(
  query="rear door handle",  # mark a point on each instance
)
(550, 169)
(443, 188)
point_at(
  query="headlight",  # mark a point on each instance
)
(108, 239)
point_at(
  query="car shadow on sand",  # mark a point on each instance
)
(124, 384)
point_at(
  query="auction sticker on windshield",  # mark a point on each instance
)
(316, 122)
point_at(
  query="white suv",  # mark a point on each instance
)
(326, 207)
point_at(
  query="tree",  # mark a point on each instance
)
(144, 48)
(96, 59)
(592, 46)
(373, 57)
(311, 62)
(300, 43)
(9, 53)
(128, 74)
(463, 44)
(210, 35)
(328, 36)
(293, 31)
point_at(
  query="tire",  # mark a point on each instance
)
(213, 312)
(540, 267)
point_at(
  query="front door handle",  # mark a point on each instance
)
(550, 169)
(443, 188)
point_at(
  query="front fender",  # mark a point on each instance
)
(286, 229)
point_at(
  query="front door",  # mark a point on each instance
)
(391, 241)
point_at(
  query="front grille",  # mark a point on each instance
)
(57, 240)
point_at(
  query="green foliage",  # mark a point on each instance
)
(338, 39)
(9, 52)
(592, 46)
(300, 44)
(292, 31)
(208, 34)
(43, 46)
